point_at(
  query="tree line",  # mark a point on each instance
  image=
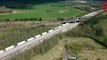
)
(22, 19)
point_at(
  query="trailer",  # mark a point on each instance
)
(10, 47)
(21, 43)
(1, 51)
(51, 30)
(59, 26)
(30, 39)
(67, 23)
(63, 24)
(44, 33)
(37, 36)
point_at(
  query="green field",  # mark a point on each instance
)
(47, 10)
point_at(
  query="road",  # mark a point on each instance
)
(40, 39)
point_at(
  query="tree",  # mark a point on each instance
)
(60, 19)
(98, 30)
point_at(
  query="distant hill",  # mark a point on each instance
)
(18, 3)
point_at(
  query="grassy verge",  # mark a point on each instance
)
(85, 49)
(52, 54)
(44, 49)
(16, 32)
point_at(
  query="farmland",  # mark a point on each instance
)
(45, 11)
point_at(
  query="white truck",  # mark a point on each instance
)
(67, 23)
(44, 33)
(30, 39)
(21, 43)
(63, 24)
(51, 30)
(37, 36)
(59, 26)
(10, 47)
(1, 51)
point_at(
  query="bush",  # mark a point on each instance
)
(98, 30)
(60, 19)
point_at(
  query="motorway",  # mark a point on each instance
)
(40, 39)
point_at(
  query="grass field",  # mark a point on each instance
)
(53, 54)
(87, 49)
(14, 32)
(48, 10)
(104, 25)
